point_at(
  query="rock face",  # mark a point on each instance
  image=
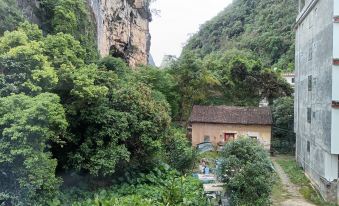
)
(123, 29)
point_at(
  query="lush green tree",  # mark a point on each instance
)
(162, 81)
(126, 127)
(64, 49)
(71, 17)
(24, 67)
(194, 82)
(232, 78)
(248, 172)
(283, 121)
(162, 186)
(178, 151)
(27, 126)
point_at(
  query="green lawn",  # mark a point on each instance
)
(297, 176)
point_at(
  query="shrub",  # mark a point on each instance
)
(178, 151)
(248, 173)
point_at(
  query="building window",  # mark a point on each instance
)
(293, 80)
(229, 137)
(309, 115)
(254, 137)
(310, 54)
(308, 146)
(207, 138)
(310, 83)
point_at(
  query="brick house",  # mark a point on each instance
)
(220, 124)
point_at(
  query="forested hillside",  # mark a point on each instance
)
(265, 28)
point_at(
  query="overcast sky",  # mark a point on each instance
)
(178, 19)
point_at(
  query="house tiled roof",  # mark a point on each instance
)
(231, 115)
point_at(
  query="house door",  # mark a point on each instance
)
(229, 137)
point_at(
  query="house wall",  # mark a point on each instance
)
(290, 79)
(314, 57)
(216, 132)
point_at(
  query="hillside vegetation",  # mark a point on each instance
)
(264, 27)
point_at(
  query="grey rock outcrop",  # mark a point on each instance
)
(123, 29)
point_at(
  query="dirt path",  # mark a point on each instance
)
(294, 198)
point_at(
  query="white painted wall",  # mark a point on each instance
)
(336, 8)
(335, 83)
(331, 170)
(336, 40)
(335, 131)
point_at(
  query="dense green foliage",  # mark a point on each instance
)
(178, 151)
(97, 120)
(10, 16)
(248, 172)
(159, 188)
(71, 17)
(283, 139)
(265, 28)
(27, 126)
(54, 16)
(232, 78)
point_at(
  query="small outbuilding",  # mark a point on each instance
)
(220, 124)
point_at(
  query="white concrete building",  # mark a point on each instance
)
(290, 78)
(317, 93)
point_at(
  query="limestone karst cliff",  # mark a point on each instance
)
(122, 26)
(123, 29)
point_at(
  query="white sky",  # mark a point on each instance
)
(177, 21)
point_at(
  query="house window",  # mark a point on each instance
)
(310, 83)
(308, 146)
(229, 137)
(293, 80)
(207, 138)
(309, 115)
(254, 137)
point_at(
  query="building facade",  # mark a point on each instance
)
(220, 124)
(290, 78)
(317, 93)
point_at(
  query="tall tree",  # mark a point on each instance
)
(27, 127)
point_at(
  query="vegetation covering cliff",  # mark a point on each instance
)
(111, 27)
(263, 27)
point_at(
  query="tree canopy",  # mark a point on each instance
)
(263, 28)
